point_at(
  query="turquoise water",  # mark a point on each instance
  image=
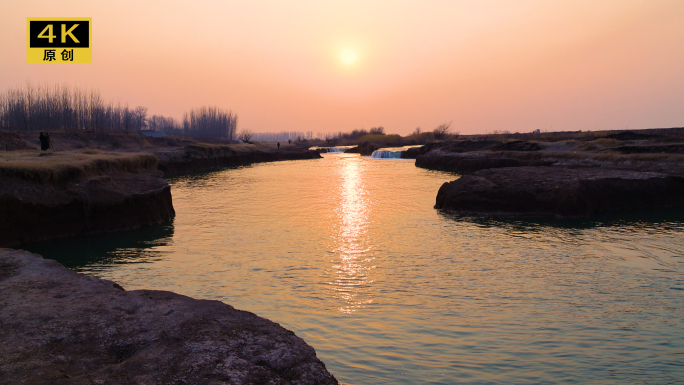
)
(348, 252)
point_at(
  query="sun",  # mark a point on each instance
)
(348, 56)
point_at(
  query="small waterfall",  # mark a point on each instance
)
(390, 152)
(337, 149)
(386, 154)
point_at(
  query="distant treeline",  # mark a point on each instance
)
(210, 122)
(299, 135)
(355, 134)
(284, 136)
(46, 108)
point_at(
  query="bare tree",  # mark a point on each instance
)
(210, 122)
(163, 124)
(377, 131)
(442, 131)
(245, 135)
(416, 131)
(140, 117)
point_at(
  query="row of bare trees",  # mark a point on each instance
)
(47, 108)
(207, 122)
(165, 124)
(210, 122)
(44, 108)
(355, 134)
(284, 136)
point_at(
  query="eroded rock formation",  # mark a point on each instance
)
(61, 327)
(571, 192)
(364, 149)
(200, 157)
(470, 162)
(106, 202)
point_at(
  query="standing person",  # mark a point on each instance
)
(289, 141)
(44, 142)
(278, 145)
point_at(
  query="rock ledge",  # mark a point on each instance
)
(579, 192)
(61, 327)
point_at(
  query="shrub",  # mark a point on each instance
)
(420, 138)
(377, 131)
(442, 130)
(382, 140)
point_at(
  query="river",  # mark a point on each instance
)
(348, 252)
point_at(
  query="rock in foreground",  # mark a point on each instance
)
(61, 327)
(579, 192)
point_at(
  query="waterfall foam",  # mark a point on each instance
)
(385, 154)
(389, 152)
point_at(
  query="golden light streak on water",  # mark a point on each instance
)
(352, 267)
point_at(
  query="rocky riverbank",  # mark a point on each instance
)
(364, 149)
(203, 156)
(471, 162)
(578, 177)
(61, 327)
(73, 193)
(559, 191)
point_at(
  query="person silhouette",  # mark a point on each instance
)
(278, 145)
(289, 141)
(44, 141)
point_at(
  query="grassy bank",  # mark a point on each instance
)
(605, 156)
(210, 150)
(59, 167)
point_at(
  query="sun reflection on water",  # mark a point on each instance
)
(351, 247)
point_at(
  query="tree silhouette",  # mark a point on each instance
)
(245, 135)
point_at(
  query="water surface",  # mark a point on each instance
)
(348, 252)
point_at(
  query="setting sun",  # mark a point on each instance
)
(348, 56)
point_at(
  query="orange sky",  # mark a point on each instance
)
(485, 65)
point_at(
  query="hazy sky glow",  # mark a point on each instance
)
(329, 66)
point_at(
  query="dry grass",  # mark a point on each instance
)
(538, 155)
(422, 138)
(207, 150)
(667, 134)
(615, 157)
(608, 142)
(597, 144)
(383, 140)
(604, 156)
(58, 167)
(587, 146)
(543, 136)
